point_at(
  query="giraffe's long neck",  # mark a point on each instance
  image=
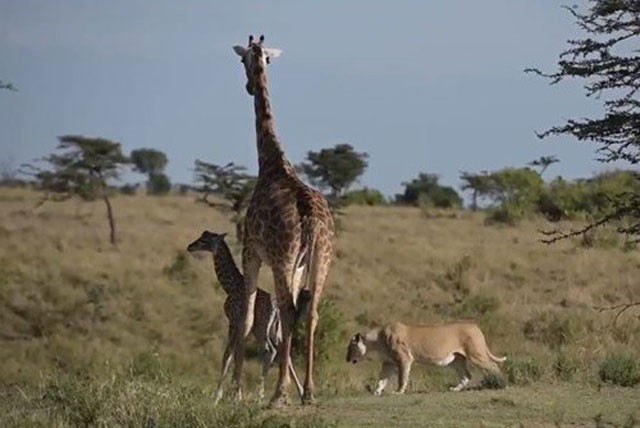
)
(226, 270)
(271, 157)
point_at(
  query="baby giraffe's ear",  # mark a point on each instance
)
(240, 50)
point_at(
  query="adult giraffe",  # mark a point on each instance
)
(288, 226)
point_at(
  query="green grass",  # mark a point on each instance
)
(92, 332)
(133, 400)
(130, 400)
(539, 406)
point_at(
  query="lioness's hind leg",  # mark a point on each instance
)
(459, 364)
(485, 363)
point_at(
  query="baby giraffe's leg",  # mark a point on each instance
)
(226, 363)
(459, 364)
(387, 370)
(268, 355)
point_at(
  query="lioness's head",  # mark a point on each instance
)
(356, 349)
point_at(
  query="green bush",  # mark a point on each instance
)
(365, 196)
(329, 337)
(442, 197)
(509, 214)
(564, 367)
(619, 369)
(493, 381)
(522, 371)
(128, 189)
(567, 199)
(425, 191)
(158, 184)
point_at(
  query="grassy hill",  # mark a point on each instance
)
(72, 305)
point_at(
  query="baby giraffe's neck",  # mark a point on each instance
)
(227, 271)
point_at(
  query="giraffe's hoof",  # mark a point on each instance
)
(308, 399)
(238, 395)
(279, 401)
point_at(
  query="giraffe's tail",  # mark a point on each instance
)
(302, 304)
(302, 266)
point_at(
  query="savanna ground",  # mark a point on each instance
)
(92, 335)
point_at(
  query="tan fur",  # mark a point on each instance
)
(398, 345)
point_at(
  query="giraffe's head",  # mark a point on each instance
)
(208, 241)
(252, 55)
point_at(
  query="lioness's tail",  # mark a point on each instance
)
(496, 359)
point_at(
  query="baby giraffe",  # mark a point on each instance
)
(267, 326)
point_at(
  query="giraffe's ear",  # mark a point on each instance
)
(240, 50)
(272, 52)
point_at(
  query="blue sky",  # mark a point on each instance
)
(434, 86)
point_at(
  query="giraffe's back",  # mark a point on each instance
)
(275, 217)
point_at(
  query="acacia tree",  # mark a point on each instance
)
(152, 162)
(479, 184)
(606, 58)
(335, 168)
(229, 182)
(83, 170)
(544, 162)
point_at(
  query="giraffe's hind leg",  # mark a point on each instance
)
(319, 270)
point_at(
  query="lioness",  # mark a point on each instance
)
(399, 345)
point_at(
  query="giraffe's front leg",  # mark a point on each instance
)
(251, 266)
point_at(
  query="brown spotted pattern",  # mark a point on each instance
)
(288, 227)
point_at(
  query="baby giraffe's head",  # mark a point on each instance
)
(208, 241)
(252, 55)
